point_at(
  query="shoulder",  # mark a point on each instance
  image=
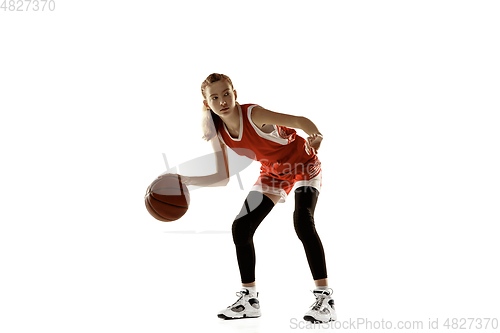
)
(256, 114)
(261, 116)
(249, 110)
(248, 106)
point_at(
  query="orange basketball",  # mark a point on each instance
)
(167, 198)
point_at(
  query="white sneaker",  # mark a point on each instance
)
(323, 310)
(247, 306)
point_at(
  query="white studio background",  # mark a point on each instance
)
(91, 95)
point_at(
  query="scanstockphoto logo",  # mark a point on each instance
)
(438, 324)
(238, 161)
(358, 324)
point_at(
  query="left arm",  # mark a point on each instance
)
(261, 116)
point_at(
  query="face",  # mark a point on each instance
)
(220, 98)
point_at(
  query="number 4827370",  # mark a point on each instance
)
(28, 5)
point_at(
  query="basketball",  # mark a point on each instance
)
(167, 198)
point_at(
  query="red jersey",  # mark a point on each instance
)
(280, 152)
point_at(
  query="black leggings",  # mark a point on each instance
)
(255, 209)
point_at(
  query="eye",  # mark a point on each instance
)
(214, 97)
(226, 93)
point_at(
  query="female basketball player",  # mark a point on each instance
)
(287, 161)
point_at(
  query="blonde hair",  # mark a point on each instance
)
(210, 121)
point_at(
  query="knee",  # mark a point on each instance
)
(241, 232)
(254, 210)
(303, 221)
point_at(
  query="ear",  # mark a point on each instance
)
(235, 94)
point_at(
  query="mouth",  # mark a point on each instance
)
(224, 109)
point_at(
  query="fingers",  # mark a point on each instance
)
(312, 145)
(310, 149)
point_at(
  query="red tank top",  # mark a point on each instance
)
(278, 151)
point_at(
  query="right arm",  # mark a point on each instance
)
(221, 176)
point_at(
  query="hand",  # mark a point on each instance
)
(312, 143)
(184, 179)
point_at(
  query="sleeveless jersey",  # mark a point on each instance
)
(280, 152)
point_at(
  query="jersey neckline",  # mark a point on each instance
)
(241, 126)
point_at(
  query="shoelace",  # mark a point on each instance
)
(240, 294)
(320, 298)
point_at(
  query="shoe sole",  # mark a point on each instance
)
(222, 316)
(315, 321)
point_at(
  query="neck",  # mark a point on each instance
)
(232, 120)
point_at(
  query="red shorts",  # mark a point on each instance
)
(306, 174)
